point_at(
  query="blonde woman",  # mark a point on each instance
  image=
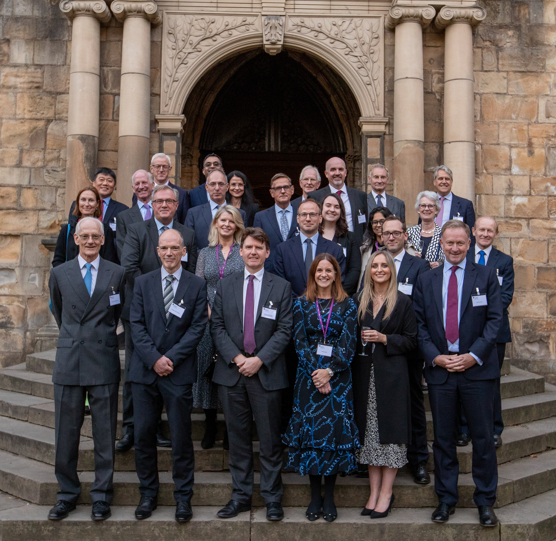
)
(220, 258)
(381, 380)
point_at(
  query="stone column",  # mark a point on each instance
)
(170, 129)
(83, 113)
(409, 116)
(459, 130)
(135, 90)
(373, 130)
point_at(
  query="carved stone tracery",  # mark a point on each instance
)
(95, 8)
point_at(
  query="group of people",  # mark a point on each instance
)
(313, 318)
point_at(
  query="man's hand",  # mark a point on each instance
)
(163, 366)
(239, 360)
(455, 363)
(250, 367)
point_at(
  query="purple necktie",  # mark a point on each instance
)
(452, 327)
(249, 344)
(148, 214)
(440, 216)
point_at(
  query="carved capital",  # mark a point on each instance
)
(450, 15)
(403, 14)
(273, 34)
(86, 8)
(373, 126)
(172, 124)
(132, 8)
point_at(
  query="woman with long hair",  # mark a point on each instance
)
(240, 195)
(372, 240)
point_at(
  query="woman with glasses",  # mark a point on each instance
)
(425, 237)
(372, 241)
(240, 195)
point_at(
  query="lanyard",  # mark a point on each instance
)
(324, 330)
(223, 268)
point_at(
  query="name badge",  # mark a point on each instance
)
(458, 218)
(115, 299)
(269, 313)
(500, 280)
(113, 226)
(362, 219)
(324, 350)
(407, 289)
(184, 258)
(479, 300)
(176, 310)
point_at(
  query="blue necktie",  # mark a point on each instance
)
(284, 229)
(482, 257)
(379, 200)
(88, 278)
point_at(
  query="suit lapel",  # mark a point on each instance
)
(274, 221)
(103, 279)
(153, 235)
(293, 226)
(455, 208)
(136, 215)
(376, 325)
(468, 283)
(73, 273)
(239, 294)
(492, 260)
(156, 288)
(266, 286)
(207, 215)
(298, 255)
(437, 289)
(404, 267)
(109, 211)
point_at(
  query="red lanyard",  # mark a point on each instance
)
(324, 330)
(222, 269)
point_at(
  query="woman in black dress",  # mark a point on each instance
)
(372, 240)
(240, 195)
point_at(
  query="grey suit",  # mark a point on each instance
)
(259, 396)
(87, 361)
(397, 206)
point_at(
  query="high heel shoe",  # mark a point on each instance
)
(375, 514)
(366, 512)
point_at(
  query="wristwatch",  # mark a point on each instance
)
(330, 372)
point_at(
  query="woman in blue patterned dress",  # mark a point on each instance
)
(322, 436)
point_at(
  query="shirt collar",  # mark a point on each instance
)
(214, 204)
(278, 209)
(448, 266)
(177, 274)
(159, 225)
(400, 256)
(144, 205)
(485, 250)
(375, 195)
(333, 189)
(258, 275)
(107, 200)
(95, 263)
(314, 238)
(447, 197)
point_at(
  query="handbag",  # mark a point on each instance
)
(209, 372)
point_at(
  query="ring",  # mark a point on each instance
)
(318, 385)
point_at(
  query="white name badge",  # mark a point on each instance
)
(324, 350)
(184, 258)
(176, 310)
(115, 299)
(269, 313)
(113, 226)
(500, 280)
(407, 289)
(345, 252)
(362, 219)
(479, 300)
(458, 218)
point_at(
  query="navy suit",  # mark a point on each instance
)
(463, 207)
(198, 195)
(183, 205)
(266, 220)
(473, 388)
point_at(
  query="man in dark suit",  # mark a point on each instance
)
(279, 222)
(199, 195)
(452, 207)
(408, 269)
(309, 181)
(169, 315)
(294, 257)
(379, 177)
(459, 312)
(86, 297)
(200, 218)
(355, 201)
(251, 335)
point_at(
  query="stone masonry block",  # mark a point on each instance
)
(510, 184)
(16, 221)
(12, 312)
(21, 51)
(520, 206)
(543, 228)
(552, 207)
(497, 107)
(546, 278)
(485, 132)
(540, 134)
(529, 83)
(547, 109)
(551, 161)
(521, 59)
(23, 133)
(496, 158)
(21, 78)
(490, 205)
(529, 251)
(490, 82)
(56, 135)
(15, 175)
(32, 158)
(49, 221)
(108, 137)
(36, 106)
(543, 185)
(7, 105)
(62, 106)
(528, 304)
(483, 184)
(524, 277)
(513, 133)
(8, 197)
(56, 78)
(10, 249)
(38, 198)
(490, 59)
(9, 157)
(530, 160)
(50, 52)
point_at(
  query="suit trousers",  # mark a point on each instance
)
(417, 450)
(245, 400)
(148, 401)
(477, 400)
(69, 407)
(127, 398)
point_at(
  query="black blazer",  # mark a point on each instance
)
(114, 208)
(183, 204)
(478, 327)
(410, 269)
(390, 363)
(352, 254)
(198, 195)
(176, 338)
(125, 219)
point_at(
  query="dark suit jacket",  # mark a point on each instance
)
(289, 263)
(397, 206)
(271, 336)
(463, 207)
(114, 208)
(125, 219)
(250, 211)
(295, 204)
(352, 254)
(478, 327)
(87, 349)
(266, 220)
(176, 338)
(183, 205)
(410, 269)
(199, 219)
(198, 195)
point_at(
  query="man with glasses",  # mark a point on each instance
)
(199, 195)
(379, 177)
(309, 181)
(279, 221)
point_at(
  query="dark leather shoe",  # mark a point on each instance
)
(61, 510)
(161, 441)
(274, 511)
(146, 507)
(125, 444)
(487, 518)
(101, 510)
(497, 441)
(420, 474)
(233, 509)
(442, 512)
(183, 512)
(463, 440)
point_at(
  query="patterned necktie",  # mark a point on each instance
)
(284, 229)
(148, 214)
(452, 327)
(162, 229)
(88, 278)
(379, 200)
(482, 254)
(249, 344)
(308, 255)
(440, 216)
(168, 293)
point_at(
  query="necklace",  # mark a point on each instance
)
(428, 231)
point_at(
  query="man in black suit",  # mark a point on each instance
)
(309, 181)
(199, 195)
(459, 312)
(355, 201)
(169, 315)
(86, 297)
(379, 177)
(279, 222)
(408, 269)
(251, 335)
(452, 207)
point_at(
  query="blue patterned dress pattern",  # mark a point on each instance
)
(322, 436)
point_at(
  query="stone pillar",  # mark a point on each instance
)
(84, 100)
(373, 130)
(170, 129)
(409, 116)
(459, 130)
(135, 90)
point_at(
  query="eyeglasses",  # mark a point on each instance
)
(216, 184)
(377, 222)
(427, 207)
(160, 167)
(311, 215)
(162, 201)
(395, 234)
(213, 164)
(281, 188)
(85, 238)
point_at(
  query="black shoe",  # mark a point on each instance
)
(497, 441)
(274, 511)
(101, 510)
(314, 511)
(420, 474)
(125, 443)
(442, 512)
(87, 410)
(226, 443)
(366, 512)
(487, 518)
(463, 440)
(233, 509)
(61, 510)
(161, 441)
(183, 512)
(146, 507)
(376, 514)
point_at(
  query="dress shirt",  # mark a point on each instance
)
(159, 226)
(398, 260)
(257, 283)
(143, 208)
(105, 206)
(485, 250)
(347, 204)
(314, 238)
(214, 206)
(94, 270)
(175, 283)
(447, 208)
(289, 214)
(383, 195)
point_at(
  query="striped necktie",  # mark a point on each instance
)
(168, 293)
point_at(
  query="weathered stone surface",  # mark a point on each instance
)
(23, 133)
(22, 78)
(56, 79)
(486, 132)
(56, 135)
(540, 134)
(547, 110)
(55, 176)
(9, 157)
(490, 205)
(49, 221)
(543, 228)
(529, 251)
(21, 51)
(483, 184)
(18, 221)
(497, 107)
(490, 59)
(7, 105)
(529, 83)
(496, 158)
(108, 137)
(50, 52)
(513, 133)
(521, 59)
(524, 277)
(14, 175)
(10, 248)
(8, 197)
(528, 304)
(546, 279)
(491, 82)
(35, 105)
(528, 161)
(510, 184)
(38, 198)
(32, 158)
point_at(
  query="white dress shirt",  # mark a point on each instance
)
(143, 208)
(214, 207)
(347, 204)
(94, 270)
(447, 207)
(159, 226)
(257, 283)
(485, 250)
(289, 215)
(398, 261)
(175, 283)
(382, 195)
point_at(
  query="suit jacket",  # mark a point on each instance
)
(199, 219)
(290, 265)
(463, 207)
(87, 350)
(198, 195)
(352, 254)
(271, 336)
(114, 208)
(295, 204)
(397, 206)
(250, 211)
(183, 205)
(266, 220)
(125, 219)
(478, 327)
(176, 338)
(358, 202)
(410, 269)
(504, 264)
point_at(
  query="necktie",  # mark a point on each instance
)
(168, 293)
(308, 255)
(148, 214)
(249, 344)
(103, 207)
(482, 254)
(440, 216)
(284, 225)
(88, 278)
(162, 229)
(340, 192)
(379, 200)
(452, 327)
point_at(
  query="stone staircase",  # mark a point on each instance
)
(526, 492)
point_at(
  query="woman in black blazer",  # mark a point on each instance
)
(88, 204)
(334, 227)
(240, 195)
(382, 405)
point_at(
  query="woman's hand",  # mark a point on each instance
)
(321, 377)
(434, 264)
(373, 336)
(325, 389)
(417, 254)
